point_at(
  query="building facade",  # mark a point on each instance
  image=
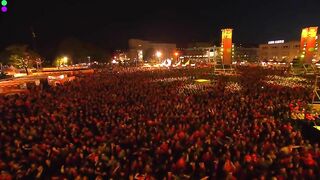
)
(206, 52)
(141, 50)
(249, 54)
(199, 52)
(282, 51)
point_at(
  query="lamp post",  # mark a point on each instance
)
(62, 61)
(177, 55)
(65, 60)
(89, 59)
(158, 54)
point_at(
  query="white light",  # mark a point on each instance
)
(158, 54)
(276, 42)
(20, 74)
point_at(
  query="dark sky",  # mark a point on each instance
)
(110, 24)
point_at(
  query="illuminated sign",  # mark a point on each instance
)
(226, 46)
(276, 42)
(308, 43)
(304, 38)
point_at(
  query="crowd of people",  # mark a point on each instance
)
(130, 124)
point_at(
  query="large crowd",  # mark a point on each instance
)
(133, 124)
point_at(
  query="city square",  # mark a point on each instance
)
(139, 97)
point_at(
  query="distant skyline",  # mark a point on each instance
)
(110, 25)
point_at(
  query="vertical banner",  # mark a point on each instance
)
(308, 44)
(226, 46)
(304, 37)
(311, 44)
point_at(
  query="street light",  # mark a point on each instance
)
(89, 59)
(65, 59)
(158, 54)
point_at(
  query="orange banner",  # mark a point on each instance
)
(308, 44)
(226, 46)
(304, 37)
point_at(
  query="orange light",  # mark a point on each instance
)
(176, 54)
(308, 43)
(226, 46)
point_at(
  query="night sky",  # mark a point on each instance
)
(109, 24)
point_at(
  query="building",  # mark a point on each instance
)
(206, 52)
(281, 51)
(120, 55)
(141, 50)
(199, 52)
(249, 54)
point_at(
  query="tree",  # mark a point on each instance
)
(21, 57)
(61, 60)
(36, 58)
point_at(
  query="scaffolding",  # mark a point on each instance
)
(305, 69)
(316, 91)
(220, 68)
(310, 69)
(315, 104)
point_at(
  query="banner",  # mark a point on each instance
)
(304, 37)
(311, 44)
(226, 46)
(308, 44)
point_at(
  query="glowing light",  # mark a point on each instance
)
(276, 42)
(158, 54)
(226, 46)
(20, 75)
(304, 33)
(176, 54)
(313, 32)
(65, 59)
(317, 127)
(308, 40)
(4, 9)
(146, 65)
(4, 2)
(140, 55)
(202, 80)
